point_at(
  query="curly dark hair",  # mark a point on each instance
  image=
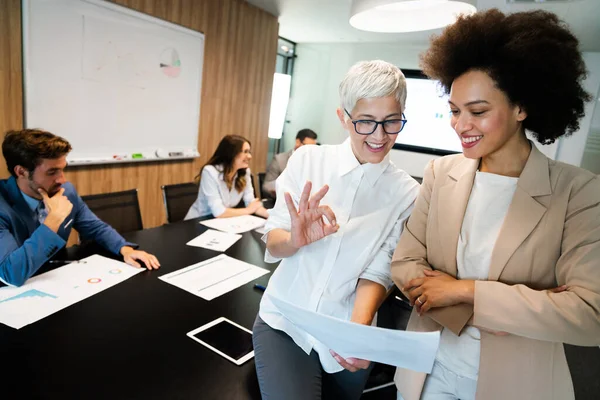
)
(531, 56)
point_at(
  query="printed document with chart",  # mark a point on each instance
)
(214, 277)
(52, 291)
(215, 240)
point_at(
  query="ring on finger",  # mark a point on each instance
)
(419, 300)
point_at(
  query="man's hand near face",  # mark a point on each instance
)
(58, 206)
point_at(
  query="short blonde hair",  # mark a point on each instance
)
(372, 79)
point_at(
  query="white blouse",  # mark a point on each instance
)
(214, 196)
(488, 204)
(371, 203)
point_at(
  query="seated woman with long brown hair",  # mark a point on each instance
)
(225, 181)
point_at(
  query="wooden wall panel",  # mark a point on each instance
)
(11, 75)
(239, 62)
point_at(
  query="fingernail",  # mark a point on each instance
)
(333, 223)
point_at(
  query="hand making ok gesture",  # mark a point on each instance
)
(308, 224)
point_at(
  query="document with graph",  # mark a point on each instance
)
(52, 291)
(214, 277)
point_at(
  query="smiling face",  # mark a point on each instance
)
(242, 159)
(483, 117)
(374, 147)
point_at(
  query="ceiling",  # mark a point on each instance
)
(326, 21)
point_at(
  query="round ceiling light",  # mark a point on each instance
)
(406, 15)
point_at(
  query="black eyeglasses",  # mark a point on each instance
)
(368, 126)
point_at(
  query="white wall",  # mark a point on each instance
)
(319, 68)
(591, 154)
(571, 149)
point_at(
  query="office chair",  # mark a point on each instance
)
(261, 180)
(178, 199)
(121, 210)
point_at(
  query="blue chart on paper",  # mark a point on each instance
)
(28, 293)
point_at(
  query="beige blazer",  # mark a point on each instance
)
(550, 237)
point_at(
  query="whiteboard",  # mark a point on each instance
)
(119, 85)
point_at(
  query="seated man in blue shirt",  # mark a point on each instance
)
(38, 208)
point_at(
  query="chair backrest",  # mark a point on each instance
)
(178, 199)
(121, 210)
(261, 180)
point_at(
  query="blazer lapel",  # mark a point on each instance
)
(18, 202)
(453, 200)
(524, 212)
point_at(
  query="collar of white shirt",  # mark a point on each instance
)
(348, 163)
(221, 172)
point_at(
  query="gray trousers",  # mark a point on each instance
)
(286, 372)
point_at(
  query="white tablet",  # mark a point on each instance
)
(226, 338)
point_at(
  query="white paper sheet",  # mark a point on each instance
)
(52, 291)
(215, 240)
(214, 277)
(262, 230)
(411, 350)
(239, 224)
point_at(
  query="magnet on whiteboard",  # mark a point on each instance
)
(162, 153)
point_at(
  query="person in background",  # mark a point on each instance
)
(279, 162)
(38, 208)
(225, 181)
(502, 250)
(335, 257)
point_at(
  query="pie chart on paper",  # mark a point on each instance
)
(170, 64)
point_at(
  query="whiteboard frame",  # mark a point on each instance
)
(25, 6)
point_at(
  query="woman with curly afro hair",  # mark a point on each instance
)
(502, 251)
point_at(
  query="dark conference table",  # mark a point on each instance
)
(129, 341)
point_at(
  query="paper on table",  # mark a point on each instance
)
(52, 291)
(262, 230)
(214, 277)
(215, 240)
(411, 350)
(239, 224)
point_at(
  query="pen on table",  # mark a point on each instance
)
(68, 223)
(65, 261)
(259, 287)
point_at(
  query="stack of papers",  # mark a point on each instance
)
(214, 277)
(410, 350)
(240, 224)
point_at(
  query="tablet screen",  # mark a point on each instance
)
(228, 339)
